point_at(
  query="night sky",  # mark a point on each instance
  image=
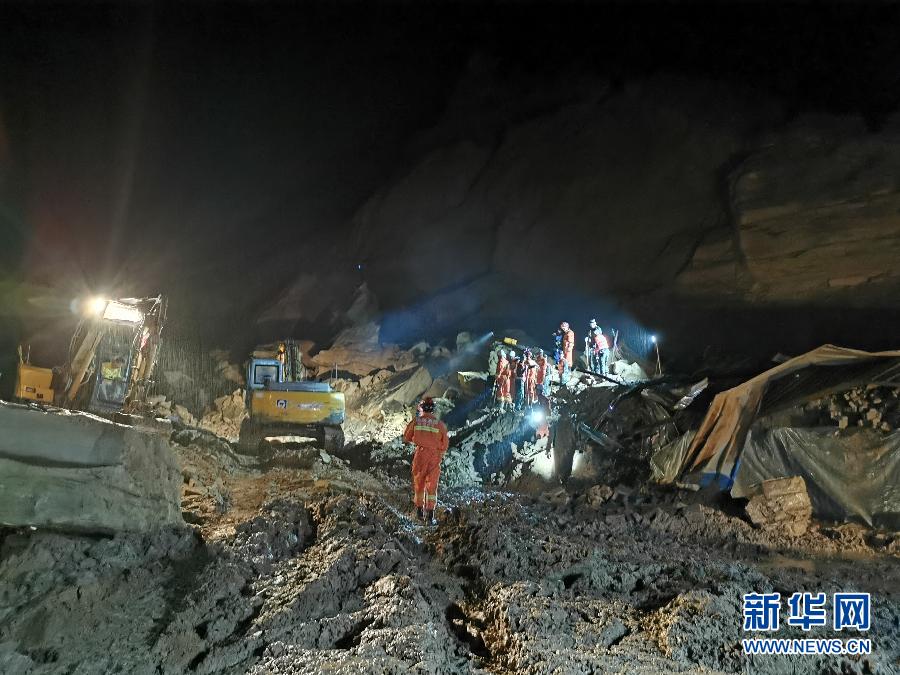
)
(204, 149)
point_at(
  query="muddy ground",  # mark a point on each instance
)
(297, 563)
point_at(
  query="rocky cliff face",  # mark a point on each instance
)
(609, 193)
(816, 219)
(632, 203)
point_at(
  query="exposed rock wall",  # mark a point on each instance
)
(816, 219)
(670, 190)
(557, 191)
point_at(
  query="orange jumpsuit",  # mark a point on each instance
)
(568, 346)
(502, 380)
(541, 370)
(531, 376)
(430, 437)
(568, 350)
(509, 380)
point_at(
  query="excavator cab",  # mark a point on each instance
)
(111, 359)
(112, 372)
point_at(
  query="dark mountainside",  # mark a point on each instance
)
(722, 176)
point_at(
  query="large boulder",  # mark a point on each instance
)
(412, 387)
(78, 472)
(358, 350)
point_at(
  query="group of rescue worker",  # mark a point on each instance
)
(519, 382)
(528, 375)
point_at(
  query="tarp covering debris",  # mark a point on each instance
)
(849, 475)
(666, 462)
(724, 429)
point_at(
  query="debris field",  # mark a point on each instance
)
(554, 553)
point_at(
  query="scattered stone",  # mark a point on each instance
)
(224, 420)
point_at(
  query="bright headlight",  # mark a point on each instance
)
(119, 311)
(95, 306)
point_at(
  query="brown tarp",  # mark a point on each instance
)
(724, 430)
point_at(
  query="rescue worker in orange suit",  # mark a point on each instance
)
(499, 375)
(542, 381)
(531, 375)
(512, 370)
(429, 435)
(568, 350)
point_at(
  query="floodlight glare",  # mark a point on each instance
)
(95, 306)
(119, 311)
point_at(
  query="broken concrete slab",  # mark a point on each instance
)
(78, 472)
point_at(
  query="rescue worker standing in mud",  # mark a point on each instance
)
(429, 435)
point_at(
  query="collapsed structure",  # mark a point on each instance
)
(771, 427)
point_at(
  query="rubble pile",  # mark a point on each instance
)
(190, 383)
(380, 405)
(161, 407)
(208, 466)
(621, 427)
(358, 350)
(224, 420)
(494, 451)
(225, 369)
(781, 502)
(873, 406)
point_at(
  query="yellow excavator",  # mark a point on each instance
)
(282, 403)
(110, 363)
